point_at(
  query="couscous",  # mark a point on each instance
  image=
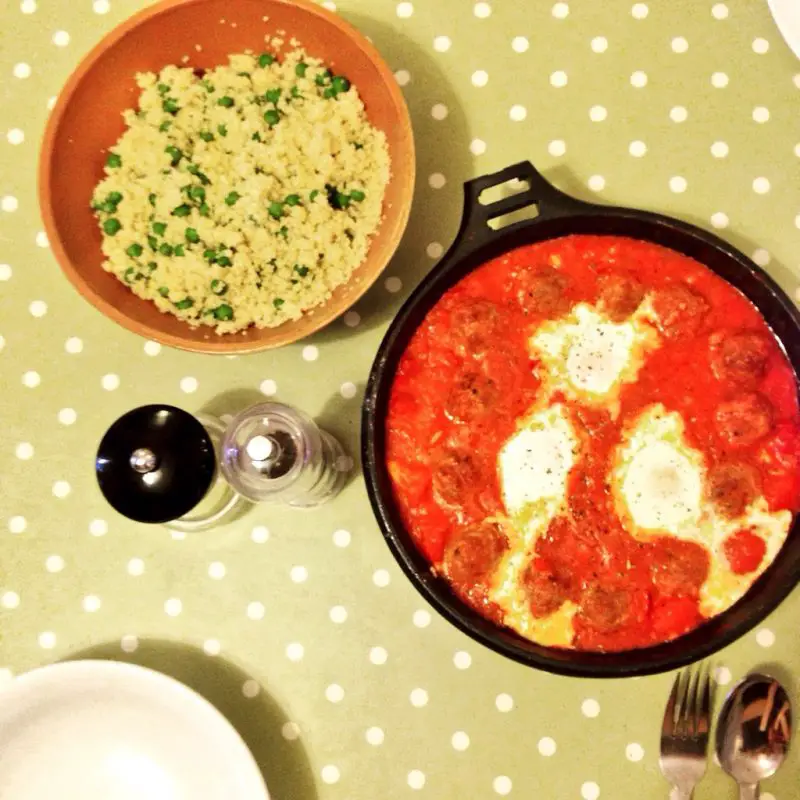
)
(244, 195)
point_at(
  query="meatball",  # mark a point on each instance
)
(732, 487)
(472, 395)
(475, 323)
(739, 358)
(678, 567)
(473, 553)
(607, 608)
(679, 311)
(455, 475)
(544, 291)
(545, 591)
(620, 296)
(744, 420)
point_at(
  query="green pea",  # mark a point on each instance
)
(160, 228)
(108, 207)
(329, 93)
(284, 231)
(153, 242)
(210, 255)
(204, 209)
(165, 249)
(207, 136)
(256, 137)
(151, 199)
(135, 250)
(323, 78)
(342, 200)
(301, 271)
(209, 87)
(276, 210)
(223, 312)
(224, 261)
(163, 88)
(128, 276)
(265, 59)
(193, 169)
(300, 69)
(164, 126)
(114, 197)
(113, 161)
(111, 226)
(222, 130)
(231, 198)
(296, 92)
(219, 287)
(163, 291)
(192, 235)
(272, 117)
(179, 251)
(357, 195)
(277, 302)
(170, 105)
(152, 266)
(197, 193)
(340, 84)
(225, 102)
(175, 152)
(292, 200)
(273, 95)
(182, 305)
(313, 195)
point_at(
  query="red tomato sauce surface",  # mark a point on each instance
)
(467, 376)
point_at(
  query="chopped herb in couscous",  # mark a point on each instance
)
(243, 196)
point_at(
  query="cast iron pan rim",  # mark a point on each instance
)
(472, 244)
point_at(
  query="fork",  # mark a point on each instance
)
(684, 733)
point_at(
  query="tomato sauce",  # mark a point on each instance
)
(467, 376)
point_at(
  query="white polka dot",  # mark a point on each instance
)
(405, 10)
(188, 385)
(403, 77)
(590, 708)
(9, 203)
(761, 185)
(101, 6)
(599, 44)
(421, 618)
(342, 538)
(441, 44)
(639, 10)
(15, 136)
(597, 183)
(719, 149)
(597, 113)
(634, 752)
(54, 563)
(765, 637)
(462, 659)
(38, 308)
(502, 785)
(268, 387)
(416, 778)
(334, 693)
(22, 70)
(559, 79)
(17, 524)
(5, 272)
(480, 78)
(760, 114)
(330, 5)
(298, 574)
(47, 640)
(255, 610)
(460, 741)
(381, 578)
(211, 647)
(173, 607)
(31, 379)
(518, 113)
(637, 148)
(560, 10)
(418, 698)
(557, 148)
(61, 489)
(378, 656)
(504, 702)
(678, 114)
(91, 603)
(24, 451)
(393, 285)
(719, 11)
(42, 240)
(762, 257)
(796, 80)
(290, 731)
(2, 342)
(482, 10)
(98, 527)
(61, 38)
(436, 180)
(719, 219)
(250, 689)
(677, 184)
(434, 250)
(9, 600)
(136, 567)
(338, 614)
(73, 345)
(760, 46)
(295, 651)
(110, 382)
(520, 44)
(28, 6)
(310, 353)
(352, 318)
(330, 773)
(374, 736)
(719, 80)
(477, 147)
(216, 570)
(51, 103)
(679, 45)
(722, 675)
(129, 643)
(547, 746)
(767, 796)
(590, 791)
(439, 111)
(639, 79)
(152, 348)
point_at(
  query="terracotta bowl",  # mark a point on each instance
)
(87, 121)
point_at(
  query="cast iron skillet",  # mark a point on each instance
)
(476, 243)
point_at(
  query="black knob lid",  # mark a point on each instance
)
(155, 463)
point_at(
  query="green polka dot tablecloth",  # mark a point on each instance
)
(299, 626)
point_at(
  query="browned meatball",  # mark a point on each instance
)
(732, 487)
(620, 296)
(473, 553)
(476, 323)
(679, 310)
(544, 291)
(473, 394)
(606, 608)
(678, 566)
(455, 475)
(744, 420)
(545, 591)
(739, 358)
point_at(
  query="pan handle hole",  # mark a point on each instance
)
(502, 190)
(521, 215)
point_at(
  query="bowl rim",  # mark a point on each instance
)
(228, 344)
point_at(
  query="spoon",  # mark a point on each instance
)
(753, 732)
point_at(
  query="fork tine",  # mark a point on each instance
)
(690, 701)
(704, 702)
(668, 726)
